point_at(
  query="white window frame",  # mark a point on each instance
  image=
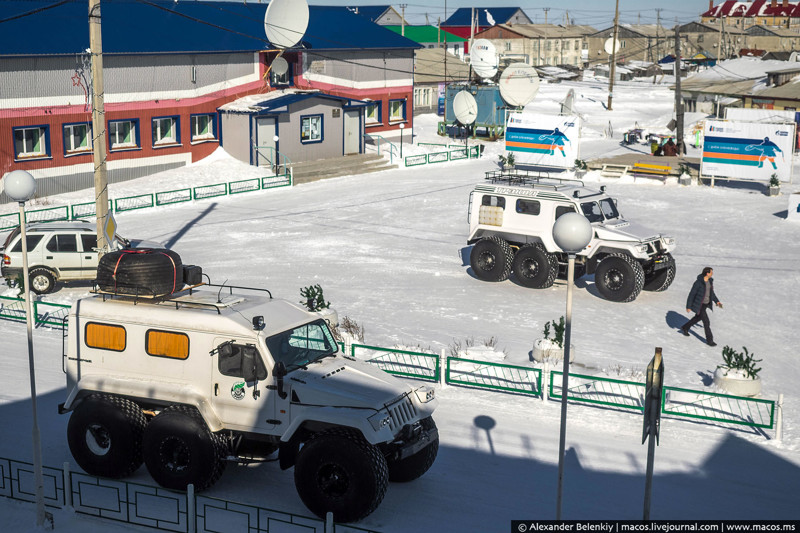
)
(401, 108)
(27, 148)
(114, 134)
(372, 114)
(159, 137)
(195, 123)
(70, 136)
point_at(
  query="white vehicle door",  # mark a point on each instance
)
(242, 405)
(61, 251)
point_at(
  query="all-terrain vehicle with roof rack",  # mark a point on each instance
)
(214, 374)
(511, 216)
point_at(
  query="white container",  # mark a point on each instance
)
(547, 349)
(736, 383)
(794, 207)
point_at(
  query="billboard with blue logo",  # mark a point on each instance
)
(543, 140)
(747, 150)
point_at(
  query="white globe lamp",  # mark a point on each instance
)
(19, 185)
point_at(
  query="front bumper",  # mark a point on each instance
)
(10, 273)
(412, 440)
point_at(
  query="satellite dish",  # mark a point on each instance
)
(279, 66)
(794, 57)
(609, 45)
(483, 58)
(285, 22)
(519, 84)
(465, 107)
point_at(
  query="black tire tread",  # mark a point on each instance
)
(638, 272)
(148, 272)
(552, 262)
(38, 271)
(662, 279)
(505, 254)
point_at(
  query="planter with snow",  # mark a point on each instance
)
(548, 349)
(737, 382)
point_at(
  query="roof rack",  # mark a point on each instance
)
(176, 297)
(526, 178)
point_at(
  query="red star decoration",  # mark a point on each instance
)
(76, 80)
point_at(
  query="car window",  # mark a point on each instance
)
(231, 356)
(592, 211)
(33, 240)
(89, 241)
(63, 242)
(563, 209)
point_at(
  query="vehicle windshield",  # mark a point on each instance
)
(605, 209)
(609, 208)
(302, 345)
(11, 237)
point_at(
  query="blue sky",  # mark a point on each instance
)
(597, 13)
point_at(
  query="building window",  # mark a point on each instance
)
(166, 344)
(508, 46)
(31, 141)
(373, 113)
(123, 134)
(202, 127)
(397, 110)
(423, 97)
(166, 130)
(311, 129)
(105, 337)
(77, 138)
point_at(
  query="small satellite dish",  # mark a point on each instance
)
(285, 22)
(519, 84)
(609, 45)
(483, 58)
(279, 66)
(465, 107)
(794, 56)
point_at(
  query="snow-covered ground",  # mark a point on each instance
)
(389, 250)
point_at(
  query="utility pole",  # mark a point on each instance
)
(403, 19)
(612, 68)
(658, 33)
(544, 57)
(678, 94)
(545, 9)
(98, 125)
(722, 54)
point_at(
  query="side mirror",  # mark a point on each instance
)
(279, 371)
(249, 369)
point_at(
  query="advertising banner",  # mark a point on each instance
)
(543, 140)
(747, 150)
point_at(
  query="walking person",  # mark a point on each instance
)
(701, 298)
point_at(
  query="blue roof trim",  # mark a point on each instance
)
(188, 26)
(273, 104)
(462, 16)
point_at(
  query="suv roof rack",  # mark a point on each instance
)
(525, 178)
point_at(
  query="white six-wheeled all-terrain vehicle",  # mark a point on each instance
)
(192, 380)
(511, 217)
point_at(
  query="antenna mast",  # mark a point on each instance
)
(612, 66)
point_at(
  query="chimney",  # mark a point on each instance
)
(773, 3)
(710, 5)
(785, 3)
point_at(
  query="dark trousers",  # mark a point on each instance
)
(702, 315)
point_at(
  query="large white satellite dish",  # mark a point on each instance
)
(279, 66)
(285, 22)
(483, 58)
(465, 107)
(608, 46)
(519, 84)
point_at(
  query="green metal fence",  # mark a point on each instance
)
(598, 390)
(210, 191)
(688, 403)
(460, 152)
(174, 197)
(495, 376)
(404, 363)
(45, 313)
(49, 214)
(8, 221)
(131, 203)
(237, 187)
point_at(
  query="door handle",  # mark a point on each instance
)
(216, 389)
(87, 257)
(49, 256)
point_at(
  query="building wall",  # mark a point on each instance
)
(237, 135)
(332, 144)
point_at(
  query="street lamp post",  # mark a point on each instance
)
(277, 165)
(571, 232)
(21, 186)
(402, 127)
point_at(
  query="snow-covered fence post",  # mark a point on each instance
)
(67, 486)
(329, 526)
(443, 369)
(191, 512)
(545, 377)
(779, 419)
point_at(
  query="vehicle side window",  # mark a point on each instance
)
(89, 241)
(494, 201)
(230, 357)
(105, 336)
(592, 211)
(564, 209)
(64, 242)
(33, 241)
(166, 344)
(529, 207)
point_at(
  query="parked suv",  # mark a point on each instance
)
(189, 383)
(511, 219)
(57, 251)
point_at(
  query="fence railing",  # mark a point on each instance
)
(404, 363)
(149, 200)
(45, 313)
(135, 503)
(473, 152)
(495, 376)
(377, 140)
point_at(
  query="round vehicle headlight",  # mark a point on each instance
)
(380, 421)
(425, 394)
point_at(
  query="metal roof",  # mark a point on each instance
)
(373, 13)
(158, 26)
(429, 66)
(426, 34)
(279, 101)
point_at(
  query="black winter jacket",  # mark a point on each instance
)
(695, 299)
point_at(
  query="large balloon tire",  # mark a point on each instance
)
(179, 450)
(338, 471)
(534, 267)
(619, 278)
(661, 279)
(414, 466)
(491, 259)
(140, 271)
(104, 434)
